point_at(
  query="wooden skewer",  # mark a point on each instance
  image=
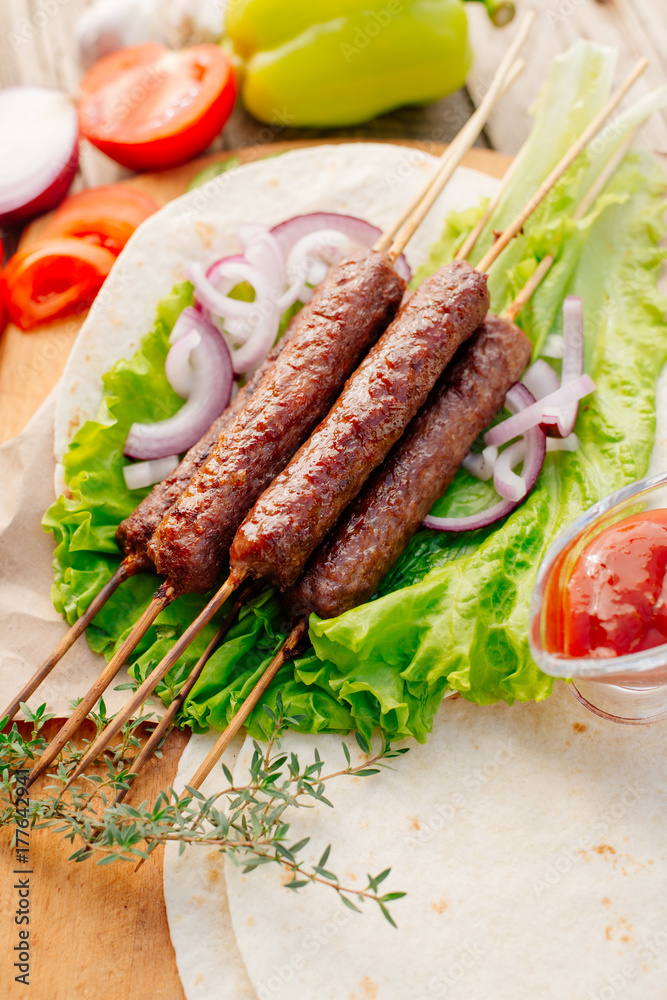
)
(586, 204)
(153, 679)
(124, 571)
(467, 248)
(165, 722)
(288, 650)
(162, 600)
(505, 76)
(589, 133)
(397, 247)
(463, 143)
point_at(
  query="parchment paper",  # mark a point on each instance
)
(30, 627)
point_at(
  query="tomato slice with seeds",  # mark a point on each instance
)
(53, 278)
(106, 215)
(149, 108)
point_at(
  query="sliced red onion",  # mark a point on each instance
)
(141, 474)
(249, 231)
(534, 444)
(570, 443)
(473, 521)
(313, 255)
(298, 253)
(522, 421)
(507, 483)
(212, 298)
(187, 321)
(560, 423)
(264, 326)
(263, 253)
(211, 390)
(359, 231)
(40, 150)
(553, 346)
(480, 464)
(178, 369)
(540, 379)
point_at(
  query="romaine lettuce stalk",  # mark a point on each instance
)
(453, 613)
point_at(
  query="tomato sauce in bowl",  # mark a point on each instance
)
(599, 607)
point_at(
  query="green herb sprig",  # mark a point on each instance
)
(248, 823)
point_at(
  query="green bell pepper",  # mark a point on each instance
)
(341, 62)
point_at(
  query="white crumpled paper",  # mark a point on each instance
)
(30, 627)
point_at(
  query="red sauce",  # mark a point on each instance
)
(615, 599)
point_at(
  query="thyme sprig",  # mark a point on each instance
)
(249, 823)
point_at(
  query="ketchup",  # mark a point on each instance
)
(615, 600)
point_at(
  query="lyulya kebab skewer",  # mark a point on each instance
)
(374, 531)
(277, 537)
(136, 531)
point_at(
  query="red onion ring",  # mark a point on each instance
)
(288, 233)
(211, 391)
(533, 415)
(177, 367)
(518, 399)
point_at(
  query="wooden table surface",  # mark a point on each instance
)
(130, 928)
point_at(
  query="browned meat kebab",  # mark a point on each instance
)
(292, 517)
(134, 533)
(375, 530)
(331, 334)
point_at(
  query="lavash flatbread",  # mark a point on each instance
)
(532, 843)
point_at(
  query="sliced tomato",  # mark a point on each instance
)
(106, 216)
(53, 278)
(149, 108)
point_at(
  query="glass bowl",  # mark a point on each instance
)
(629, 689)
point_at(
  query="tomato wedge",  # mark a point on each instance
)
(106, 216)
(53, 278)
(149, 108)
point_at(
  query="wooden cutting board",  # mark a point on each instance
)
(31, 363)
(100, 932)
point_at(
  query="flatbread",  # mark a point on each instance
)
(195, 894)
(532, 843)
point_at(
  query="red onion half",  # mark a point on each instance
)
(40, 154)
(210, 394)
(531, 449)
